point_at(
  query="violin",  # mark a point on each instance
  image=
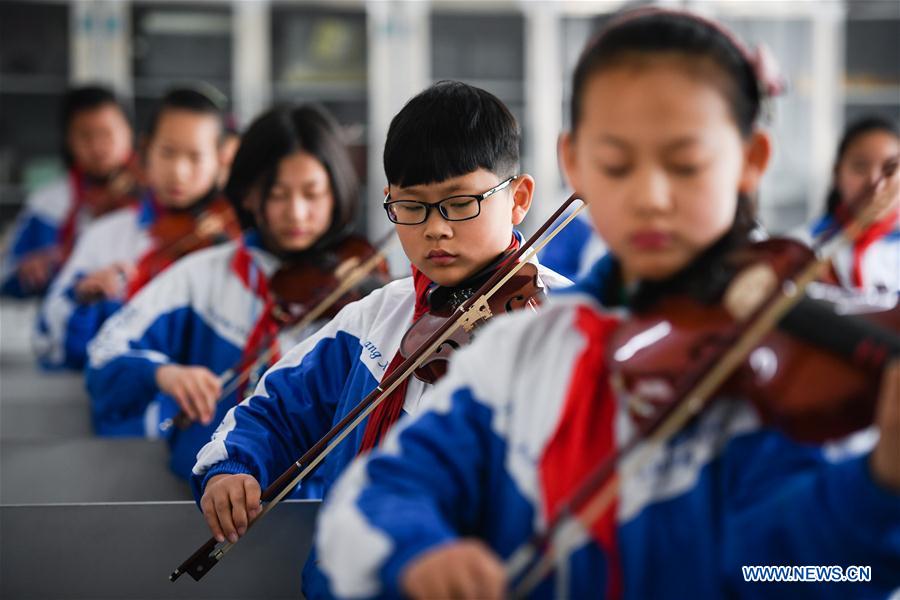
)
(122, 189)
(305, 291)
(523, 290)
(302, 285)
(178, 233)
(815, 376)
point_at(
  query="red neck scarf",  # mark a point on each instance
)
(147, 266)
(585, 436)
(875, 232)
(391, 408)
(164, 252)
(79, 185)
(94, 197)
(265, 331)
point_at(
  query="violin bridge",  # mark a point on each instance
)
(478, 311)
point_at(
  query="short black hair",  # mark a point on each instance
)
(448, 130)
(854, 131)
(656, 31)
(190, 99)
(85, 98)
(275, 135)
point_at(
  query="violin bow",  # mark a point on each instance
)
(233, 378)
(530, 564)
(474, 309)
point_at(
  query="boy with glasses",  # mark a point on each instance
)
(453, 148)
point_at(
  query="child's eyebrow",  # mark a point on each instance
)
(418, 190)
(673, 146)
(453, 188)
(680, 143)
(302, 183)
(611, 140)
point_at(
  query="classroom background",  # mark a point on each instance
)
(362, 60)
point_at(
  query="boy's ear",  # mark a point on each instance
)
(522, 194)
(565, 148)
(757, 152)
(385, 191)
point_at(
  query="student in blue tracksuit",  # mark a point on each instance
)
(455, 196)
(97, 152)
(293, 185)
(182, 164)
(665, 148)
(873, 261)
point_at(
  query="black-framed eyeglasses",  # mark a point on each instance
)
(453, 208)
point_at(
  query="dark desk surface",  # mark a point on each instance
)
(42, 405)
(85, 517)
(123, 551)
(87, 470)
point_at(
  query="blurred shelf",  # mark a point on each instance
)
(875, 95)
(32, 84)
(211, 20)
(156, 87)
(350, 6)
(321, 91)
(470, 7)
(876, 10)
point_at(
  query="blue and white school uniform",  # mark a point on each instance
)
(572, 252)
(203, 311)
(64, 325)
(871, 264)
(51, 220)
(37, 227)
(528, 409)
(312, 388)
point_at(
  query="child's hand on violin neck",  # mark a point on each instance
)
(229, 503)
(108, 282)
(195, 389)
(461, 569)
(885, 460)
